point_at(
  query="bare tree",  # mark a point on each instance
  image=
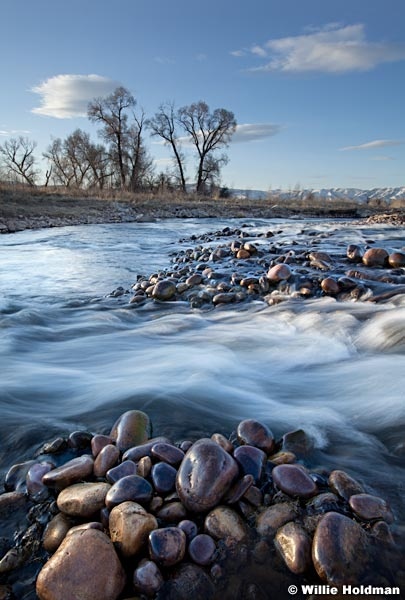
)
(140, 163)
(208, 132)
(112, 113)
(18, 159)
(163, 124)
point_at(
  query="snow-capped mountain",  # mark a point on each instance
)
(385, 195)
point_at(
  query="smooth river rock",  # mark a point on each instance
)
(164, 290)
(72, 471)
(147, 578)
(370, 508)
(130, 526)
(294, 545)
(131, 487)
(167, 546)
(131, 429)
(274, 517)
(106, 459)
(292, 480)
(340, 550)
(256, 434)
(375, 257)
(223, 523)
(344, 485)
(82, 499)
(205, 475)
(85, 567)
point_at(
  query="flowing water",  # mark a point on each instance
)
(72, 358)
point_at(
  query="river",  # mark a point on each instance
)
(73, 358)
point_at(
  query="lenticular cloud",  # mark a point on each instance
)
(67, 96)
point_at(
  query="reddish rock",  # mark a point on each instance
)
(256, 434)
(72, 471)
(82, 499)
(131, 429)
(293, 480)
(294, 545)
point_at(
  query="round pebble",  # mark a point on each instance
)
(256, 434)
(167, 546)
(292, 480)
(202, 549)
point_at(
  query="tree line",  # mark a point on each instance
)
(122, 160)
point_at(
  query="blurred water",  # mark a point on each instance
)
(71, 358)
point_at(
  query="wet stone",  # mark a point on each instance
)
(292, 480)
(278, 273)
(127, 467)
(205, 475)
(323, 503)
(297, 442)
(172, 512)
(164, 290)
(167, 546)
(163, 477)
(344, 485)
(56, 531)
(167, 453)
(396, 260)
(15, 479)
(340, 550)
(189, 527)
(85, 566)
(72, 471)
(370, 508)
(130, 526)
(131, 429)
(239, 489)
(375, 257)
(147, 578)
(139, 451)
(283, 458)
(105, 460)
(330, 286)
(35, 488)
(202, 549)
(83, 499)
(354, 253)
(254, 496)
(381, 531)
(274, 517)
(131, 487)
(224, 298)
(256, 434)
(98, 442)
(223, 523)
(79, 440)
(222, 441)
(144, 467)
(251, 461)
(294, 545)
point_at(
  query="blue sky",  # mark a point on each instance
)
(317, 86)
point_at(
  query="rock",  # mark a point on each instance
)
(274, 517)
(164, 290)
(224, 298)
(137, 452)
(85, 566)
(79, 440)
(292, 480)
(131, 429)
(330, 286)
(251, 461)
(82, 499)
(294, 545)
(147, 578)
(172, 512)
(55, 532)
(89, 525)
(298, 442)
(278, 273)
(202, 549)
(256, 434)
(35, 488)
(396, 260)
(239, 489)
(354, 253)
(189, 528)
(340, 550)
(370, 508)
(144, 467)
(205, 475)
(375, 257)
(131, 487)
(167, 453)
(223, 523)
(322, 503)
(130, 526)
(344, 485)
(98, 442)
(163, 477)
(128, 467)
(72, 471)
(242, 253)
(167, 546)
(283, 457)
(220, 439)
(105, 460)
(381, 531)
(15, 479)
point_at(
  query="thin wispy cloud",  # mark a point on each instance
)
(249, 132)
(164, 60)
(373, 145)
(331, 49)
(382, 158)
(67, 96)
(10, 132)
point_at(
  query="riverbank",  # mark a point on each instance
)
(37, 208)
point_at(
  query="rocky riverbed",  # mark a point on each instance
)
(122, 514)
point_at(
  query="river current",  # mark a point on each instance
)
(73, 358)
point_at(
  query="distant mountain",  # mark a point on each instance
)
(386, 195)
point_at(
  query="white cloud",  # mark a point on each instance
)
(9, 132)
(330, 49)
(238, 53)
(382, 158)
(373, 144)
(164, 60)
(67, 96)
(249, 132)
